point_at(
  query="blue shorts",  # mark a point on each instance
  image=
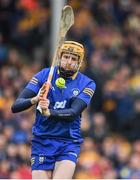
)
(46, 152)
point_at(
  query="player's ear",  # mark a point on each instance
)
(82, 65)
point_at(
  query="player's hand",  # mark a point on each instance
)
(43, 102)
(42, 91)
(36, 99)
(44, 105)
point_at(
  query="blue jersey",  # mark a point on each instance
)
(81, 87)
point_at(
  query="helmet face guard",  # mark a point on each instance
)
(71, 47)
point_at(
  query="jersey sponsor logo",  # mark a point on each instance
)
(60, 105)
(75, 92)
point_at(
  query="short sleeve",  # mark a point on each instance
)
(87, 92)
(37, 81)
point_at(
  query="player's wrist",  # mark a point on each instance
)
(34, 100)
(46, 112)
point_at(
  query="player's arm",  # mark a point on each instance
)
(77, 106)
(75, 110)
(26, 99)
(30, 95)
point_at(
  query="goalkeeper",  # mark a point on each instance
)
(56, 133)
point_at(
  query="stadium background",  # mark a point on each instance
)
(110, 32)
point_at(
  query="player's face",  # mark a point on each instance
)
(69, 61)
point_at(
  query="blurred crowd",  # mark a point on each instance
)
(110, 32)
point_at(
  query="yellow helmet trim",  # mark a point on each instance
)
(73, 48)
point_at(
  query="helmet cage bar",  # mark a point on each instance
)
(76, 66)
(71, 53)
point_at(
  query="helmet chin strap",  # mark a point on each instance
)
(66, 73)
